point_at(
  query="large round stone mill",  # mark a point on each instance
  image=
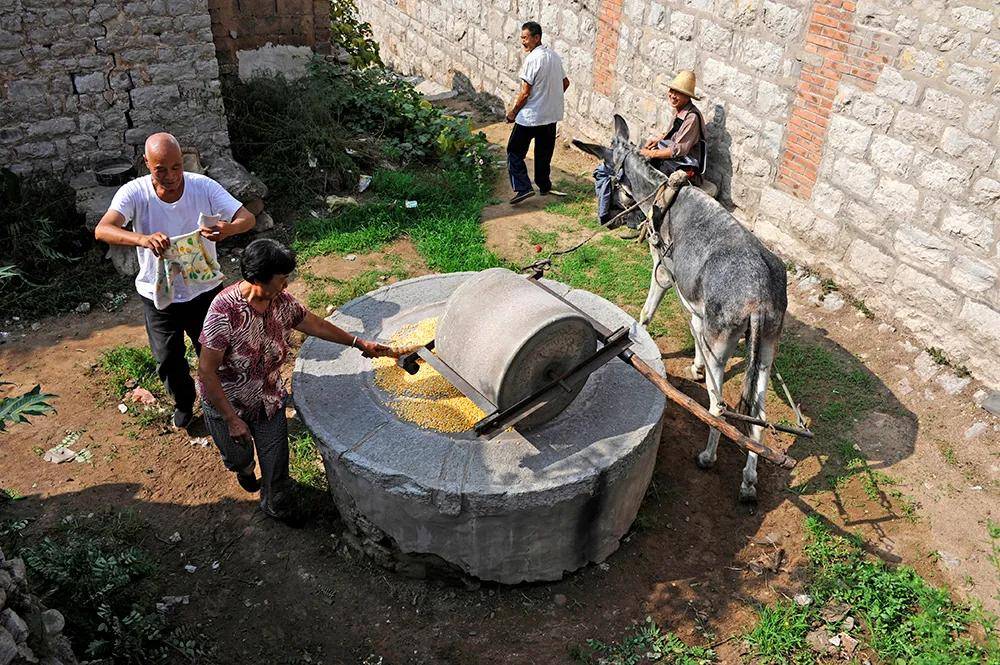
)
(408, 474)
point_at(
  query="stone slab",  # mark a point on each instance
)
(521, 507)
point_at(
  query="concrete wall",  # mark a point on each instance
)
(857, 137)
(249, 25)
(82, 81)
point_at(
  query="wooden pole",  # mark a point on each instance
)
(702, 414)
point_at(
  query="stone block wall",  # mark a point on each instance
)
(244, 25)
(82, 81)
(856, 137)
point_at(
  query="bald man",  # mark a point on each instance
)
(168, 202)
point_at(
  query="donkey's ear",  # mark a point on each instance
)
(621, 128)
(594, 149)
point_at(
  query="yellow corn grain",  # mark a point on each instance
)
(426, 398)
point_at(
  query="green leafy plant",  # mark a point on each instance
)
(96, 572)
(313, 136)
(18, 409)
(352, 35)
(646, 643)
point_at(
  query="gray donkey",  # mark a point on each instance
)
(726, 279)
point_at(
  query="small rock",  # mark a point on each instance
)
(834, 611)
(925, 366)
(122, 408)
(847, 644)
(771, 538)
(833, 302)
(6, 582)
(848, 624)
(53, 622)
(952, 384)
(977, 429)
(603, 566)
(802, 599)
(992, 402)
(26, 654)
(819, 641)
(808, 283)
(215, 565)
(131, 384)
(885, 328)
(201, 441)
(14, 624)
(190, 568)
(948, 559)
(904, 387)
(175, 537)
(560, 599)
(8, 647)
(835, 640)
(36, 326)
(82, 308)
(351, 257)
(979, 397)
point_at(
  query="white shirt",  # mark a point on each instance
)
(138, 203)
(542, 69)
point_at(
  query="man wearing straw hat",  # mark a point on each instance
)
(675, 149)
(670, 152)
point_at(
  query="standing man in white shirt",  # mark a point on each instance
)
(168, 202)
(536, 110)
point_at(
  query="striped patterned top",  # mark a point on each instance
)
(255, 346)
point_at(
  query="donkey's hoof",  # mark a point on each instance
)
(697, 373)
(748, 494)
(704, 461)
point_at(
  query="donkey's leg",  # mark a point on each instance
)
(715, 353)
(697, 368)
(748, 488)
(659, 282)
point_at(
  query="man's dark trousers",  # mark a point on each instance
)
(517, 147)
(166, 329)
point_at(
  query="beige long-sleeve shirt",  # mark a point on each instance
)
(687, 135)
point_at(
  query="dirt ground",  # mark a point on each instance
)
(693, 566)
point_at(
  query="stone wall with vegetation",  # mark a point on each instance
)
(859, 138)
(79, 82)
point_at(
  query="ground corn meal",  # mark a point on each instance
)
(425, 398)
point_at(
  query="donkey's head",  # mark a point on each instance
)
(639, 180)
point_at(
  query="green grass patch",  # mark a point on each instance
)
(445, 225)
(780, 634)
(124, 363)
(837, 389)
(901, 617)
(620, 271)
(305, 464)
(645, 643)
(329, 292)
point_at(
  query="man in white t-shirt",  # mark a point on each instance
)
(168, 202)
(536, 110)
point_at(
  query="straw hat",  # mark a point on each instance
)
(684, 83)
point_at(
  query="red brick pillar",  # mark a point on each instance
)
(838, 48)
(606, 52)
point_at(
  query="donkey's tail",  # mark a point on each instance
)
(748, 402)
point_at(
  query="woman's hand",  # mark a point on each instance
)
(370, 349)
(239, 431)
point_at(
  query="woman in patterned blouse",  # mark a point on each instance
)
(244, 343)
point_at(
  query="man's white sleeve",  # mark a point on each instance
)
(124, 201)
(529, 70)
(223, 203)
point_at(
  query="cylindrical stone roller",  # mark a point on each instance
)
(509, 339)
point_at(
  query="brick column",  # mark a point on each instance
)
(606, 52)
(838, 49)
